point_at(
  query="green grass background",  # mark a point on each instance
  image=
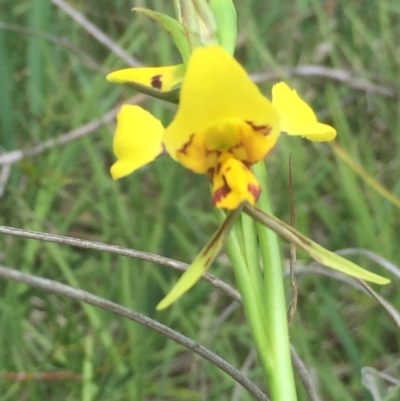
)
(48, 89)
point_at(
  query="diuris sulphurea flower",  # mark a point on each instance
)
(223, 125)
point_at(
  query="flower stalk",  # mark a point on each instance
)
(280, 374)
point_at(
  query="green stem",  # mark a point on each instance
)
(280, 375)
(250, 296)
(250, 251)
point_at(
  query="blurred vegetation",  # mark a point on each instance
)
(52, 77)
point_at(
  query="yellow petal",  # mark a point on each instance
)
(137, 140)
(257, 140)
(244, 140)
(193, 155)
(154, 81)
(216, 87)
(297, 117)
(234, 183)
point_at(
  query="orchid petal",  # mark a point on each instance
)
(160, 82)
(215, 88)
(297, 117)
(137, 140)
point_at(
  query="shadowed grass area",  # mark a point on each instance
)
(53, 81)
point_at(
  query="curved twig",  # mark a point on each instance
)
(350, 78)
(98, 246)
(304, 375)
(380, 260)
(118, 250)
(59, 41)
(96, 32)
(89, 298)
(15, 156)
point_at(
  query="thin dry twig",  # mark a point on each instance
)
(118, 250)
(4, 176)
(14, 156)
(98, 246)
(304, 375)
(355, 283)
(97, 33)
(350, 78)
(251, 357)
(89, 298)
(389, 266)
(292, 256)
(59, 41)
(385, 304)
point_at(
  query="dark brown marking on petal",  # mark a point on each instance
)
(183, 149)
(246, 165)
(156, 81)
(164, 149)
(255, 190)
(263, 129)
(209, 152)
(222, 192)
(237, 146)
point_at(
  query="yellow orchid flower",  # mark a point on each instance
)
(223, 125)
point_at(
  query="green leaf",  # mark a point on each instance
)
(225, 15)
(317, 252)
(183, 39)
(202, 262)
(394, 394)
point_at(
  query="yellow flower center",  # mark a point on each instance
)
(222, 135)
(223, 124)
(222, 150)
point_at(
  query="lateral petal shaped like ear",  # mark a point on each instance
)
(297, 117)
(159, 82)
(137, 140)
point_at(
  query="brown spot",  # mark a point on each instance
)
(237, 146)
(183, 149)
(221, 193)
(156, 81)
(263, 129)
(255, 190)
